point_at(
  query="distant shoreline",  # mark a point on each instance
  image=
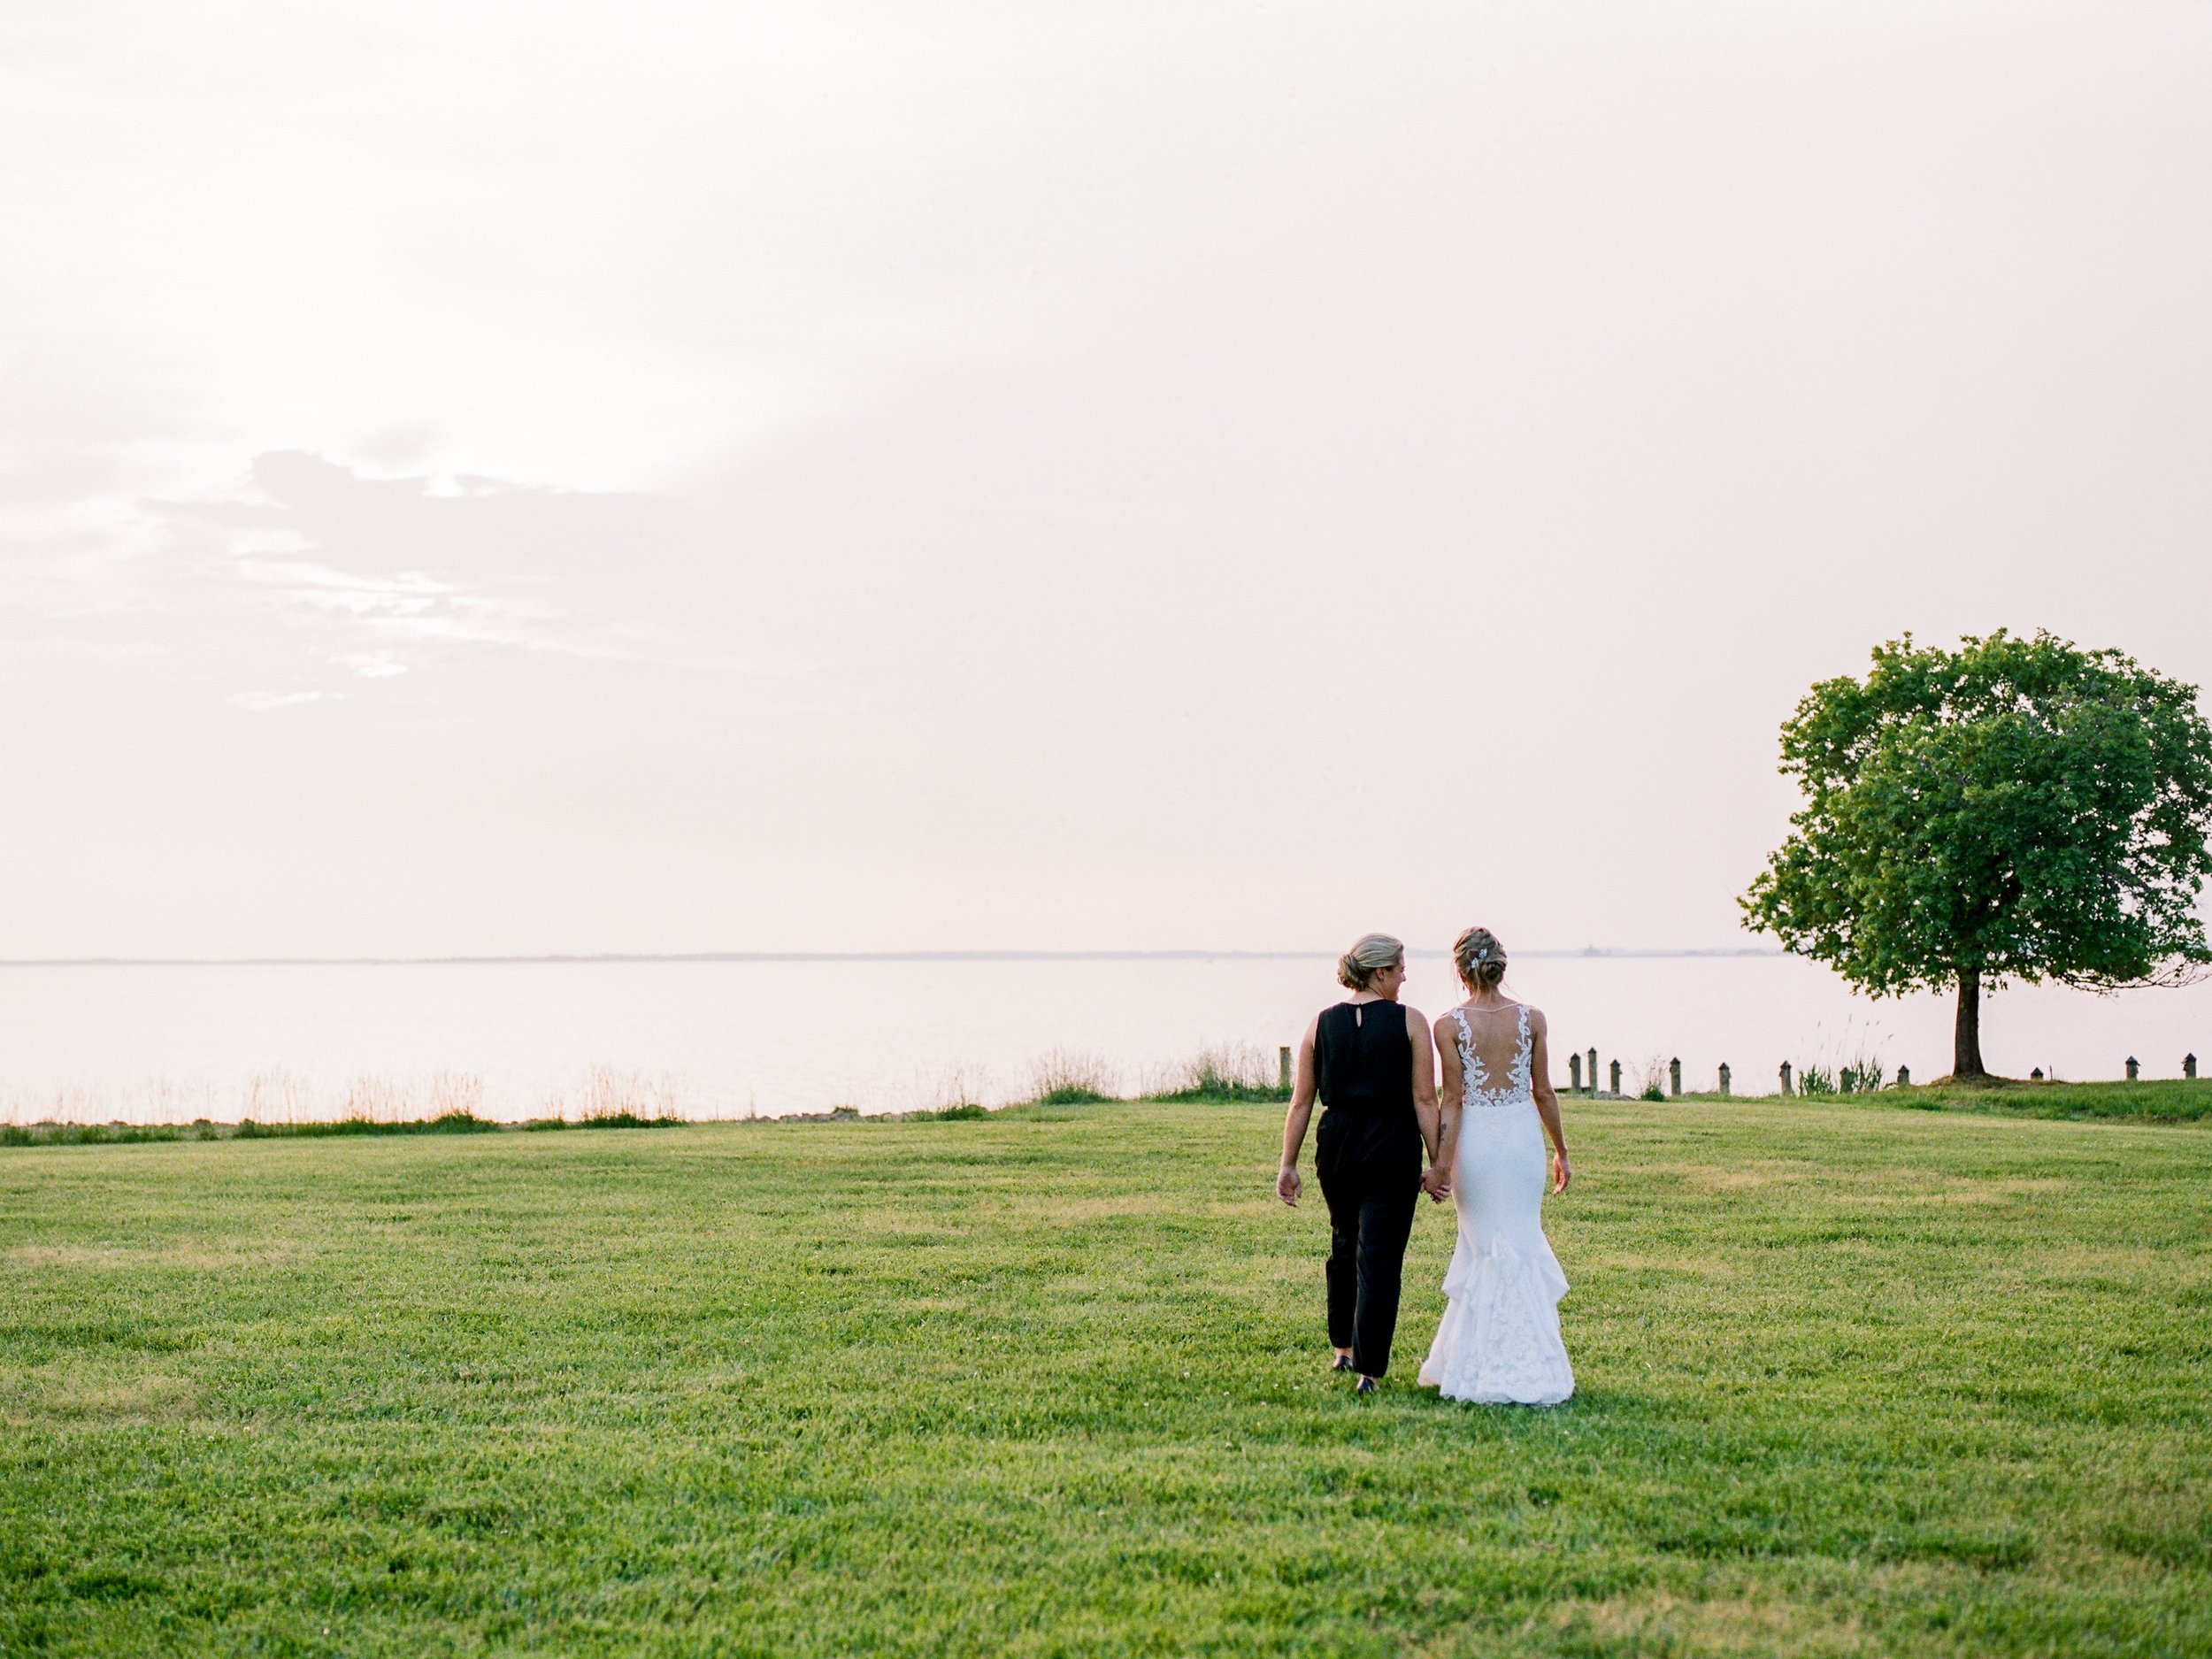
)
(570, 959)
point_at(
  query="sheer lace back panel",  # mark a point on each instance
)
(1487, 1045)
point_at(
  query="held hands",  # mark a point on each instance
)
(1436, 1181)
(1287, 1183)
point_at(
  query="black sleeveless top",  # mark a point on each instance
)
(1362, 1060)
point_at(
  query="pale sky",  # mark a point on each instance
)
(554, 477)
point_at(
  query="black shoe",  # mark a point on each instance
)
(1366, 1386)
(1343, 1362)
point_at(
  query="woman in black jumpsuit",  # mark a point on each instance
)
(1369, 1060)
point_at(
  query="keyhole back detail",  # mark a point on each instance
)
(1475, 1085)
(1361, 1067)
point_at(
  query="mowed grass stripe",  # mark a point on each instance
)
(1852, 1380)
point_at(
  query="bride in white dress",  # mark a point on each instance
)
(1498, 1340)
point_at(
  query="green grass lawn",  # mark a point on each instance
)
(1852, 1380)
(2170, 1100)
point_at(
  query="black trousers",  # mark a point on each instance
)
(1370, 1165)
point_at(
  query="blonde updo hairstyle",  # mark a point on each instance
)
(1369, 957)
(1481, 959)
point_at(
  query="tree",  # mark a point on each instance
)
(2014, 809)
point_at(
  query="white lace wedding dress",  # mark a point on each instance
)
(1498, 1340)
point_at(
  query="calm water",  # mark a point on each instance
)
(725, 1039)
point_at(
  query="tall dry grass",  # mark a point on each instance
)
(610, 1091)
(1221, 1072)
(442, 1095)
(961, 1084)
(1071, 1076)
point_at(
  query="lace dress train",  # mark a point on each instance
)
(1498, 1340)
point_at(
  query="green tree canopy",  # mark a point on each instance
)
(2016, 809)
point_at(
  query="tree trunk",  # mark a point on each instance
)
(1966, 1038)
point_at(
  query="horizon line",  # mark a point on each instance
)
(617, 957)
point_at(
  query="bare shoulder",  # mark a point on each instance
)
(1416, 1022)
(1535, 1019)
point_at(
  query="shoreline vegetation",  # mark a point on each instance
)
(279, 1104)
(1065, 1082)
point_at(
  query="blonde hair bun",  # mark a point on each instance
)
(1481, 959)
(1364, 961)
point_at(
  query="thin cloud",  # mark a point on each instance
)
(265, 702)
(401, 571)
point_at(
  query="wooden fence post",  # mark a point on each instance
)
(2130, 1068)
(1617, 1080)
(1594, 1074)
(2189, 1066)
(1904, 1077)
(1574, 1074)
(1674, 1077)
(1724, 1080)
(1786, 1077)
(1282, 1056)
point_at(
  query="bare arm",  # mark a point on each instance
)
(1450, 1095)
(1548, 1102)
(1423, 1079)
(1295, 1121)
